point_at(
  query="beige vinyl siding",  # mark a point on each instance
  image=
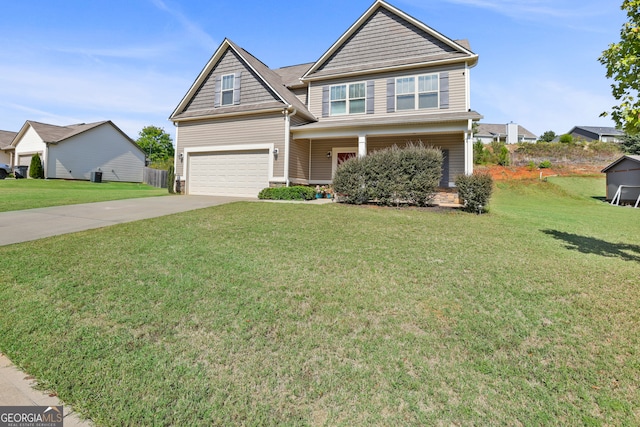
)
(453, 142)
(302, 94)
(30, 143)
(260, 129)
(252, 89)
(320, 164)
(457, 91)
(102, 148)
(386, 38)
(299, 160)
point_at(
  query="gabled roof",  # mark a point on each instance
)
(6, 138)
(461, 48)
(488, 129)
(631, 157)
(270, 78)
(599, 130)
(54, 134)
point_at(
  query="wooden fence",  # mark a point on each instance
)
(155, 177)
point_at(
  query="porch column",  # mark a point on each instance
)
(468, 153)
(362, 145)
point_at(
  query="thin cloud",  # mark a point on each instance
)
(192, 28)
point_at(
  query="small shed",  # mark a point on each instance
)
(624, 171)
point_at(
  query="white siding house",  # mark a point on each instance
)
(75, 151)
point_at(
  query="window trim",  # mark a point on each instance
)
(347, 99)
(416, 91)
(223, 90)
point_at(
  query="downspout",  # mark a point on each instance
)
(287, 140)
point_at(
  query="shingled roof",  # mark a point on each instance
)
(6, 138)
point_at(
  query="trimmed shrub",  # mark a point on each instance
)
(297, 192)
(475, 191)
(391, 176)
(36, 170)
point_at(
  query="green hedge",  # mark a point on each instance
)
(298, 192)
(391, 176)
(475, 191)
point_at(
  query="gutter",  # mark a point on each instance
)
(287, 139)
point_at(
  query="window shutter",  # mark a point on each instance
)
(236, 88)
(217, 93)
(370, 96)
(444, 89)
(391, 95)
(325, 101)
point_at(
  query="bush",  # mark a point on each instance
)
(391, 176)
(475, 191)
(631, 144)
(545, 164)
(36, 170)
(566, 139)
(298, 192)
(481, 155)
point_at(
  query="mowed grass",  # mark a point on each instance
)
(18, 194)
(294, 314)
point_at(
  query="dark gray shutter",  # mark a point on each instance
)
(325, 101)
(236, 88)
(217, 93)
(444, 181)
(370, 96)
(391, 95)
(444, 89)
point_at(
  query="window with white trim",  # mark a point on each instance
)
(228, 83)
(348, 99)
(417, 92)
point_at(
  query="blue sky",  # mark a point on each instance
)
(132, 61)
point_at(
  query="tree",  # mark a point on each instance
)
(631, 144)
(623, 66)
(156, 143)
(548, 136)
(36, 170)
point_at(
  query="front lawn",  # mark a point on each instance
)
(18, 194)
(294, 314)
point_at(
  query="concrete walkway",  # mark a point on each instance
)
(33, 224)
(16, 387)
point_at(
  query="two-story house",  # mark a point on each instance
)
(388, 80)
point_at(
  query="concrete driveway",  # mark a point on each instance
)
(33, 224)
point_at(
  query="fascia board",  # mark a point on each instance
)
(367, 15)
(201, 77)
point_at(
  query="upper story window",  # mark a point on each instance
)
(417, 92)
(228, 83)
(348, 99)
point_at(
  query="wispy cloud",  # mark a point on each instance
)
(190, 26)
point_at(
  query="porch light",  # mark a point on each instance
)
(181, 156)
(328, 154)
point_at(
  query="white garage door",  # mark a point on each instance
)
(228, 173)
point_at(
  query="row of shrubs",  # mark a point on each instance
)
(394, 176)
(297, 192)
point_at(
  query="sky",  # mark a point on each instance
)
(131, 61)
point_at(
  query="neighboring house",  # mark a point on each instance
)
(624, 171)
(594, 133)
(75, 151)
(6, 151)
(510, 133)
(389, 79)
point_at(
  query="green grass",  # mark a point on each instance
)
(18, 194)
(293, 314)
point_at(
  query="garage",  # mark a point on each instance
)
(228, 173)
(25, 159)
